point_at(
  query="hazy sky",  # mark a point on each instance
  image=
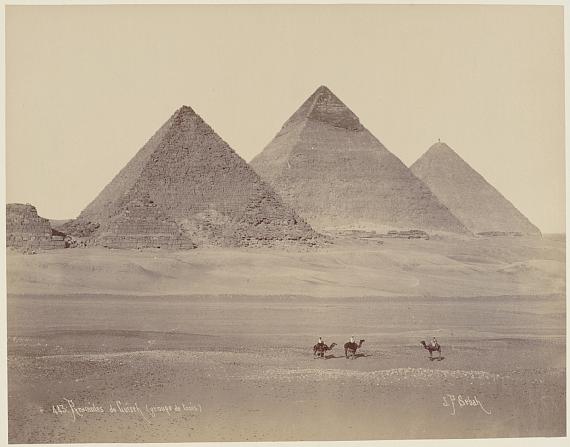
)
(88, 86)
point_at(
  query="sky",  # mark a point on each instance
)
(87, 86)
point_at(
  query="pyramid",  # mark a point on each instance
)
(476, 203)
(187, 187)
(337, 175)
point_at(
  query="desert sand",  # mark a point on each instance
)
(349, 267)
(217, 343)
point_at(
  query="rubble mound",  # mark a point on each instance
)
(27, 232)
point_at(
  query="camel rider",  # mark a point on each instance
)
(434, 343)
(320, 342)
(352, 339)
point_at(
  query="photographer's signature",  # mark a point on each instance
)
(459, 401)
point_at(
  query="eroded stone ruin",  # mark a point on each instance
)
(26, 231)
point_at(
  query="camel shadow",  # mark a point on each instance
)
(439, 359)
(356, 356)
(332, 356)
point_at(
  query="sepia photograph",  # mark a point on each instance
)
(284, 222)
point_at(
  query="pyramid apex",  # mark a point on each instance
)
(323, 89)
(436, 153)
(324, 106)
(186, 110)
(185, 114)
(440, 146)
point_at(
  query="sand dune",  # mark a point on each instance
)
(446, 267)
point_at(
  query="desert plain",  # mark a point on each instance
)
(215, 344)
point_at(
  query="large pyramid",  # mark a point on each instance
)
(336, 174)
(475, 202)
(187, 187)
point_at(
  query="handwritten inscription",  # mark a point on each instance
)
(146, 412)
(456, 402)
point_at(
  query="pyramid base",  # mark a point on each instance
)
(138, 241)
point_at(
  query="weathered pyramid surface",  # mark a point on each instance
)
(478, 205)
(25, 230)
(336, 174)
(187, 187)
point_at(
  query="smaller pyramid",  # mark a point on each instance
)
(473, 200)
(186, 187)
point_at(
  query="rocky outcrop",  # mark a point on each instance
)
(473, 200)
(187, 187)
(26, 231)
(337, 175)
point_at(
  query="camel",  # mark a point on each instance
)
(431, 349)
(320, 348)
(351, 347)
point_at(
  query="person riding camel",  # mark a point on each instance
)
(434, 343)
(352, 339)
(320, 343)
